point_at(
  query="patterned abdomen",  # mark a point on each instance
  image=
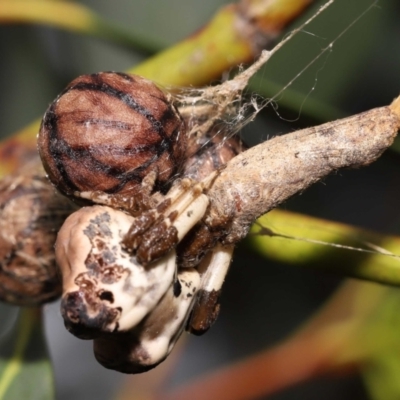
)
(107, 131)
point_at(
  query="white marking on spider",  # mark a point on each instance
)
(104, 288)
(152, 340)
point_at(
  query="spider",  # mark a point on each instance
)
(118, 141)
(127, 269)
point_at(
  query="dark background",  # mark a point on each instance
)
(262, 301)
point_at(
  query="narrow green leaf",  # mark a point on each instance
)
(294, 100)
(378, 344)
(73, 17)
(25, 368)
(327, 246)
(382, 377)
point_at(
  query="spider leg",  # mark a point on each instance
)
(159, 230)
(213, 270)
(134, 203)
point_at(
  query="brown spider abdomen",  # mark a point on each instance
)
(107, 131)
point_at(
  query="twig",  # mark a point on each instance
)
(264, 176)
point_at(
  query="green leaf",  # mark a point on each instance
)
(294, 100)
(382, 377)
(73, 17)
(25, 368)
(380, 343)
(327, 245)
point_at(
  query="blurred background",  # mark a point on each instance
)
(262, 301)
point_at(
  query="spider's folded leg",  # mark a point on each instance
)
(213, 270)
(157, 231)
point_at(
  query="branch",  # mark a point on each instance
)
(266, 175)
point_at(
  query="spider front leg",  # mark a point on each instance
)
(213, 269)
(157, 231)
(134, 203)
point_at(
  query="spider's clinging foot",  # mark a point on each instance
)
(157, 231)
